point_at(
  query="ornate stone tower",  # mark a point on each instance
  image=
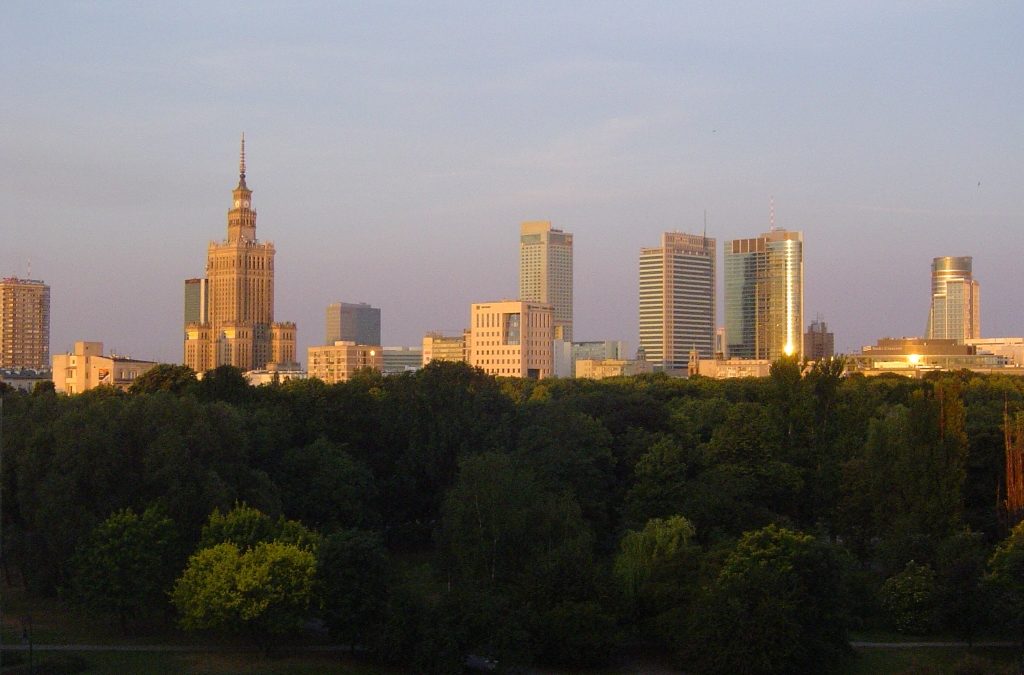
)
(240, 302)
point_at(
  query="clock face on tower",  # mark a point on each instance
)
(237, 203)
(245, 203)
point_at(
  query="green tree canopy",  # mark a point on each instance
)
(265, 590)
(126, 564)
(246, 527)
(171, 377)
(352, 569)
(776, 606)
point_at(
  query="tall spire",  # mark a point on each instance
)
(242, 159)
(242, 217)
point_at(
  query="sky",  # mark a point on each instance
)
(393, 148)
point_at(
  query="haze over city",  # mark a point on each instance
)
(393, 150)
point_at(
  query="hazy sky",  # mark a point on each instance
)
(394, 147)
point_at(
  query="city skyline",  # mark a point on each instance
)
(888, 135)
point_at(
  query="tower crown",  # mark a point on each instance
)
(241, 216)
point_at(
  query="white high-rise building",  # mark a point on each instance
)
(545, 272)
(677, 300)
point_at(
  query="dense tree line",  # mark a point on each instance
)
(743, 525)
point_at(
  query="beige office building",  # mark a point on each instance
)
(1012, 348)
(677, 300)
(24, 324)
(87, 368)
(239, 297)
(545, 272)
(599, 369)
(512, 338)
(339, 361)
(437, 347)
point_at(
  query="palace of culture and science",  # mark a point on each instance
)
(229, 315)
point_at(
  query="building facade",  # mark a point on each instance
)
(398, 360)
(352, 322)
(764, 296)
(819, 343)
(955, 311)
(24, 324)
(239, 329)
(545, 272)
(916, 357)
(339, 361)
(512, 338)
(1012, 348)
(437, 347)
(677, 300)
(599, 369)
(86, 368)
(195, 301)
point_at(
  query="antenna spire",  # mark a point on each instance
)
(241, 158)
(771, 213)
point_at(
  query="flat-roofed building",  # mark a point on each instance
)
(545, 272)
(819, 343)
(598, 351)
(274, 375)
(195, 301)
(677, 300)
(398, 360)
(512, 338)
(437, 347)
(764, 296)
(727, 369)
(599, 369)
(24, 379)
(916, 356)
(86, 368)
(339, 361)
(352, 322)
(1010, 347)
(24, 324)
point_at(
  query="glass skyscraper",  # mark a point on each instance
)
(955, 312)
(764, 295)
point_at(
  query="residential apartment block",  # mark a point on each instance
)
(339, 361)
(86, 368)
(24, 324)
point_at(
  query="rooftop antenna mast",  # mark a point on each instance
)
(30, 268)
(704, 237)
(771, 213)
